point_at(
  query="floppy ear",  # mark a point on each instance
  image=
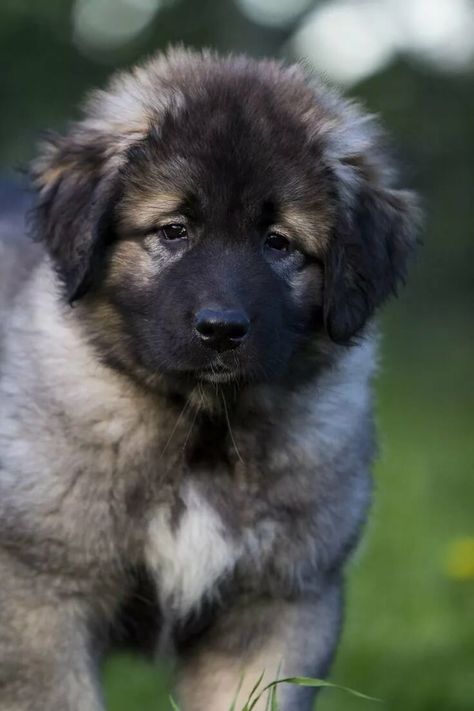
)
(78, 176)
(367, 258)
(374, 227)
(76, 191)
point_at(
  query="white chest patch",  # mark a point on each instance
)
(190, 557)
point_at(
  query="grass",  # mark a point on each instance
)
(408, 638)
(261, 690)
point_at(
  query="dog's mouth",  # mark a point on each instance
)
(214, 372)
(218, 374)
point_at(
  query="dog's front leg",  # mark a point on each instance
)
(46, 661)
(276, 638)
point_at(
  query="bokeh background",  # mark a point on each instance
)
(409, 634)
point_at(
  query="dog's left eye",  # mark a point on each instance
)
(173, 232)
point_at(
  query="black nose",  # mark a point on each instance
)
(222, 329)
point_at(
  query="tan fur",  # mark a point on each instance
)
(312, 229)
(131, 260)
(150, 212)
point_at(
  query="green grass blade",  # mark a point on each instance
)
(272, 703)
(239, 687)
(255, 687)
(308, 681)
(249, 703)
(273, 699)
(174, 705)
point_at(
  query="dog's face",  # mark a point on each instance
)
(220, 237)
(213, 217)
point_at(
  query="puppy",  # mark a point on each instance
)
(185, 380)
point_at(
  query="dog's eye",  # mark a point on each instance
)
(277, 242)
(173, 232)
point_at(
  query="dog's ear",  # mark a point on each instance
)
(77, 176)
(375, 225)
(77, 185)
(367, 257)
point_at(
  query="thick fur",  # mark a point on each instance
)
(232, 486)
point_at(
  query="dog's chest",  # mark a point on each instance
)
(189, 551)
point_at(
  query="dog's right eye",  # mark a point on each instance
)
(278, 242)
(173, 232)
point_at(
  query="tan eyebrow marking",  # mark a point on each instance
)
(147, 211)
(313, 229)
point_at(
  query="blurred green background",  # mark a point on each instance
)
(409, 633)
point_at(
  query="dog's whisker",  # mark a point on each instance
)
(186, 406)
(191, 427)
(234, 443)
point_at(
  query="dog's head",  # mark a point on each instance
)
(211, 216)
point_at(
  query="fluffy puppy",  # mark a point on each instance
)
(200, 421)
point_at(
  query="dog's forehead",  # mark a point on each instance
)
(230, 148)
(242, 119)
(234, 152)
